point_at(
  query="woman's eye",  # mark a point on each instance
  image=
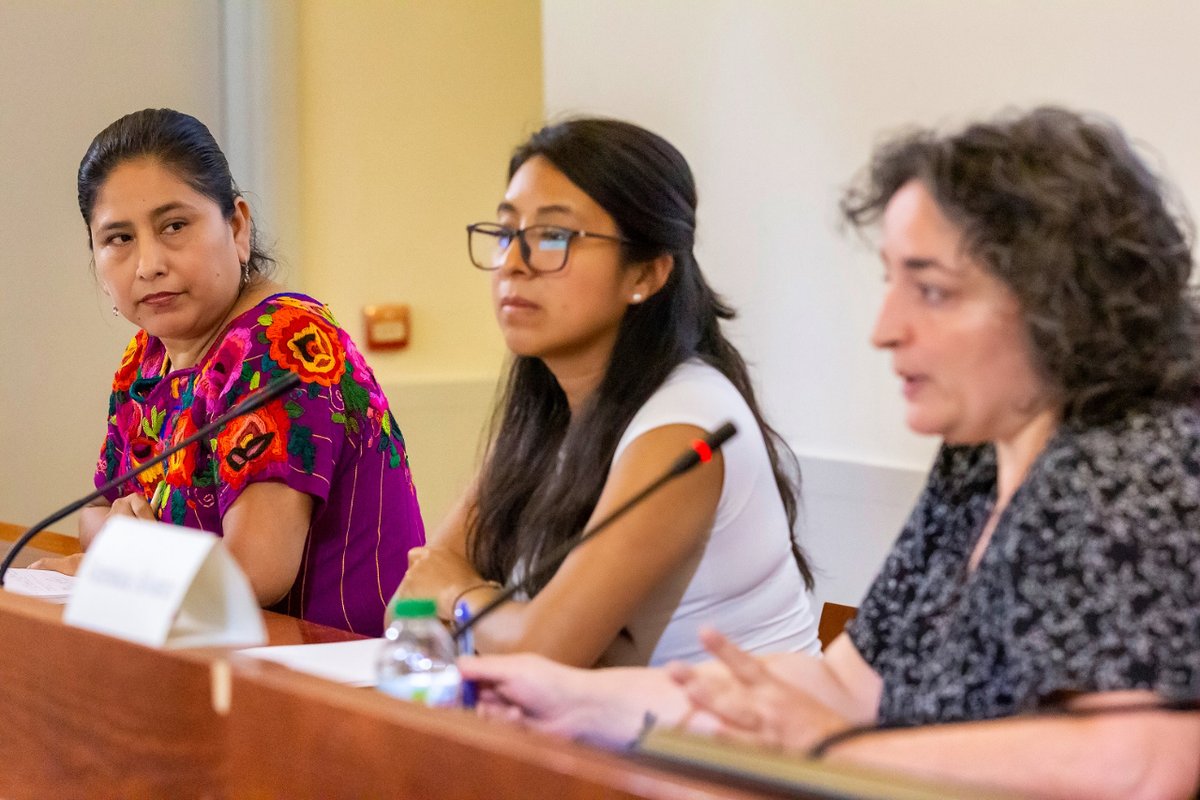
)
(118, 238)
(932, 294)
(552, 238)
(176, 226)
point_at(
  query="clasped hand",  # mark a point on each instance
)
(750, 703)
(439, 573)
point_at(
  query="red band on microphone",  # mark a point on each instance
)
(703, 450)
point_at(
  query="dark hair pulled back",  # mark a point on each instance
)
(182, 144)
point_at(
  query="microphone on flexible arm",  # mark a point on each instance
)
(250, 403)
(700, 452)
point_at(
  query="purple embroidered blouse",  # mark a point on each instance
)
(333, 438)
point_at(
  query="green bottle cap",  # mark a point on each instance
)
(412, 607)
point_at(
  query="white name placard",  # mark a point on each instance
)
(164, 586)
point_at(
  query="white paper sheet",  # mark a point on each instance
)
(44, 584)
(350, 663)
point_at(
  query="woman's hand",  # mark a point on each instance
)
(98, 512)
(132, 505)
(440, 573)
(605, 707)
(751, 704)
(67, 565)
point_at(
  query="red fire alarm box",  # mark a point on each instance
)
(387, 326)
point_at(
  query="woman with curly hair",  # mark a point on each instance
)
(311, 493)
(1038, 614)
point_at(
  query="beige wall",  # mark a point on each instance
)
(67, 69)
(407, 112)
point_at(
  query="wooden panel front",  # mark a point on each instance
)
(297, 736)
(87, 715)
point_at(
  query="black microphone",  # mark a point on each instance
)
(269, 392)
(701, 452)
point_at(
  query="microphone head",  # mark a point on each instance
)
(721, 435)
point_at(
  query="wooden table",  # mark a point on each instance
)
(87, 715)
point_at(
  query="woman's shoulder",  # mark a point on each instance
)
(297, 333)
(695, 377)
(694, 393)
(1144, 465)
(285, 305)
(1161, 433)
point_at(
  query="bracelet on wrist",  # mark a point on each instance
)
(482, 585)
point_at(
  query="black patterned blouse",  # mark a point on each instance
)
(1091, 581)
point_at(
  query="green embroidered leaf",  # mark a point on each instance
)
(146, 427)
(314, 389)
(178, 507)
(352, 424)
(112, 459)
(294, 410)
(264, 320)
(156, 422)
(300, 444)
(255, 380)
(338, 417)
(247, 370)
(356, 397)
(160, 496)
(262, 337)
(203, 478)
(188, 396)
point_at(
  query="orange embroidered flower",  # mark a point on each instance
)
(181, 465)
(307, 345)
(252, 443)
(127, 372)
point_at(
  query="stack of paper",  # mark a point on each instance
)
(44, 584)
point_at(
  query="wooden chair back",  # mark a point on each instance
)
(834, 619)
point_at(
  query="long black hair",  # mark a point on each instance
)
(544, 471)
(182, 144)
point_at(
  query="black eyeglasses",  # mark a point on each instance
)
(544, 248)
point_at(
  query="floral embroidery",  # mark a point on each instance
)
(226, 361)
(182, 465)
(128, 370)
(148, 412)
(251, 442)
(306, 344)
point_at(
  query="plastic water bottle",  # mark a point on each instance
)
(416, 662)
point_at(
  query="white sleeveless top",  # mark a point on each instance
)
(745, 582)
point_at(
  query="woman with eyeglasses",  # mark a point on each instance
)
(619, 364)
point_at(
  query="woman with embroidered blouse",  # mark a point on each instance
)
(312, 492)
(1038, 614)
